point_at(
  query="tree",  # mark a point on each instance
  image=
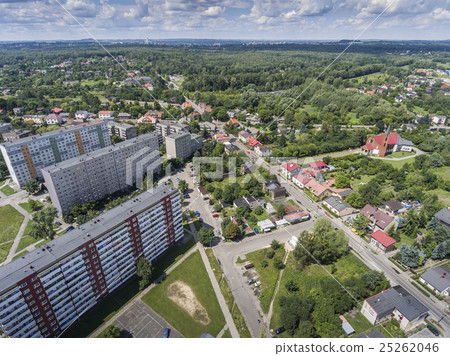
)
(232, 231)
(278, 263)
(264, 263)
(32, 186)
(205, 236)
(111, 331)
(42, 224)
(33, 204)
(275, 245)
(372, 279)
(291, 286)
(258, 210)
(116, 139)
(144, 271)
(360, 222)
(305, 330)
(436, 160)
(342, 181)
(441, 234)
(355, 200)
(411, 256)
(182, 186)
(270, 254)
(280, 211)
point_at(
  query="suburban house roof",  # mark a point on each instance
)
(444, 215)
(241, 202)
(398, 298)
(232, 122)
(105, 112)
(253, 141)
(291, 209)
(438, 277)
(316, 188)
(382, 220)
(272, 186)
(343, 192)
(266, 224)
(263, 148)
(245, 134)
(290, 166)
(296, 216)
(202, 190)
(337, 203)
(374, 334)
(319, 164)
(383, 238)
(302, 178)
(393, 205)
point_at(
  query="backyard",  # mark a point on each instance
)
(187, 300)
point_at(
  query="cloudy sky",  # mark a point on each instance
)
(226, 19)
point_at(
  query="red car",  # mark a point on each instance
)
(215, 215)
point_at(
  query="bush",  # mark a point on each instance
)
(278, 263)
(291, 286)
(270, 254)
(275, 245)
(264, 264)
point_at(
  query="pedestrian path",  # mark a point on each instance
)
(12, 250)
(212, 277)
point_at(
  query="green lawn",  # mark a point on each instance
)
(359, 322)
(361, 325)
(10, 221)
(239, 320)
(443, 195)
(401, 154)
(122, 296)
(192, 273)
(26, 206)
(443, 172)
(7, 190)
(268, 276)
(226, 334)
(399, 164)
(405, 240)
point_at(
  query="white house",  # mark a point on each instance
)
(438, 279)
(301, 180)
(106, 115)
(290, 169)
(81, 115)
(54, 119)
(263, 151)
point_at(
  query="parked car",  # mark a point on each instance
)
(197, 213)
(255, 230)
(166, 333)
(257, 284)
(200, 219)
(419, 233)
(185, 195)
(217, 231)
(57, 223)
(280, 330)
(433, 330)
(205, 198)
(251, 281)
(69, 228)
(215, 215)
(250, 265)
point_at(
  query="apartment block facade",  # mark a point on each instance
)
(26, 157)
(46, 290)
(182, 145)
(95, 175)
(122, 130)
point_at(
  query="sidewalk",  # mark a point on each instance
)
(223, 305)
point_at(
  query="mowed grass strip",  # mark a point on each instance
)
(239, 320)
(268, 276)
(192, 273)
(10, 221)
(7, 190)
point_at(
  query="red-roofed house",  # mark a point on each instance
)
(290, 169)
(106, 115)
(1, 111)
(383, 241)
(319, 190)
(186, 104)
(390, 142)
(316, 166)
(301, 179)
(253, 142)
(297, 217)
(233, 122)
(57, 110)
(221, 137)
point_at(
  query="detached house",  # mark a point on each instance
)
(379, 219)
(338, 206)
(383, 145)
(244, 136)
(397, 303)
(290, 169)
(106, 115)
(438, 279)
(383, 241)
(301, 180)
(263, 151)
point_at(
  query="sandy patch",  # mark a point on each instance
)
(181, 294)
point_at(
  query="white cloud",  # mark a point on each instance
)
(213, 11)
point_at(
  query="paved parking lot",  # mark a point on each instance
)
(139, 321)
(424, 333)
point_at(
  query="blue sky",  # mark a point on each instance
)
(226, 19)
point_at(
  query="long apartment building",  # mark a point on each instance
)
(44, 291)
(27, 156)
(94, 175)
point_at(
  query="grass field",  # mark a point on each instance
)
(267, 275)
(26, 239)
(443, 172)
(226, 334)
(443, 195)
(26, 206)
(361, 325)
(239, 320)
(346, 267)
(401, 154)
(405, 240)
(122, 296)
(10, 221)
(399, 164)
(206, 316)
(7, 190)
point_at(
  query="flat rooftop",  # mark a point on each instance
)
(98, 153)
(25, 140)
(46, 255)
